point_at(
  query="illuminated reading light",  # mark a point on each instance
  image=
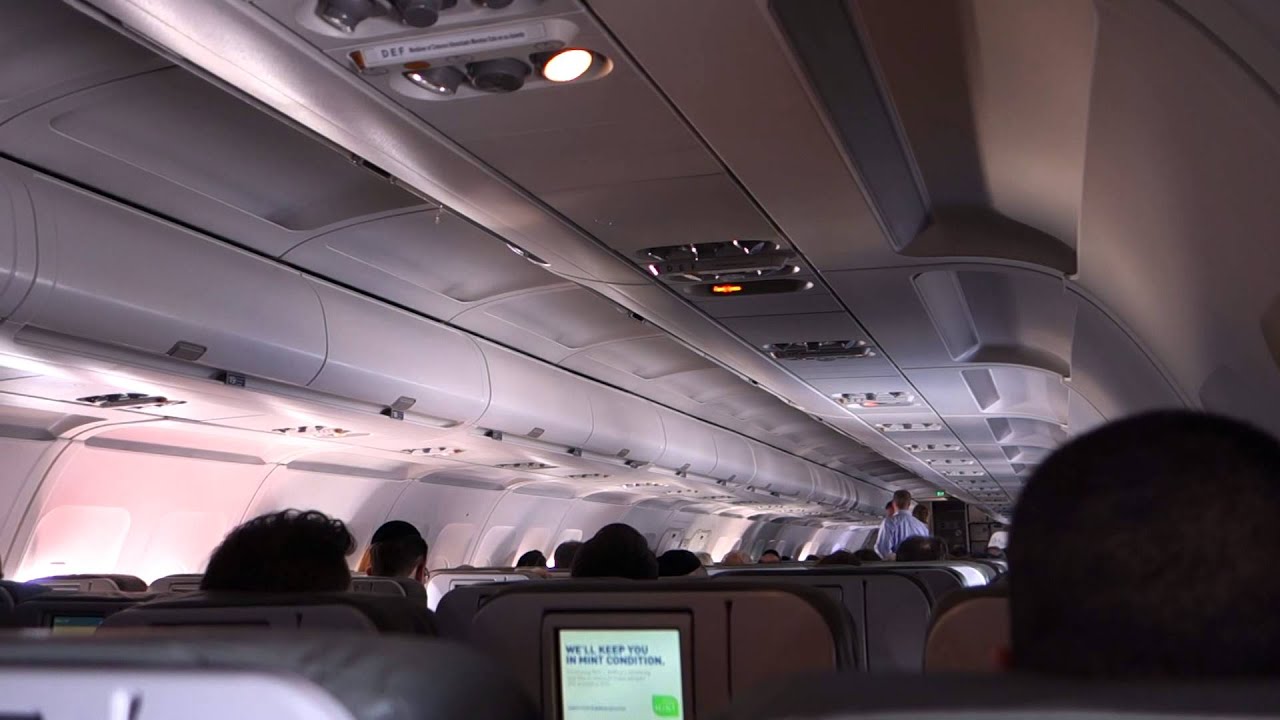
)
(567, 65)
(726, 289)
(939, 493)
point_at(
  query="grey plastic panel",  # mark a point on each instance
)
(624, 426)
(113, 275)
(17, 240)
(379, 354)
(273, 617)
(690, 446)
(443, 583)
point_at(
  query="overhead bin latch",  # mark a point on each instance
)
(396, 410)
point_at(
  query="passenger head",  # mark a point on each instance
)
(705, 558)
(1145, 594)
(288, 551)
(919, 548)
(889, 509)
(564, 554)
(959, 551)
(532, 559)
(404, 556)
(921, 513)
(902, 500)
(812, 558)
(770, 556)
(866, 555)
(678, 563)
(736, 557)
(839, 557)
(616, 551)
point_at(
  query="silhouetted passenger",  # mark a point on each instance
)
(899, 526)
(769, 557)
(564, 554)
(921, 513)
(866, 555)
(788, 558)
(678, 563)
(704, 558)
(959, 551)
(812, 558)
(1145, 594)
(998, 543)
(921, 548)
(618, 551)
(532, 559)
(398, 550)
(287, 551)
(839, 557)
(388, 530)
(736, 557)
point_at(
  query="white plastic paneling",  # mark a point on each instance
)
(114, 275)
(734, 461)
(624, 426)
(450, 518)
(779, 472)
(378, 354)
(689, 442)
(529, 394)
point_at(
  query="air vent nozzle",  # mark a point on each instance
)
(526, 466)
(892, 398)
(317, 431)
(821, 350)
(128, 400)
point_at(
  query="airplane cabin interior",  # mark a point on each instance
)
(730, 272)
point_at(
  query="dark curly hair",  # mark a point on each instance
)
(287, 551)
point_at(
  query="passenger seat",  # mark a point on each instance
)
(282, 611)
(969, 629)
(259, 677)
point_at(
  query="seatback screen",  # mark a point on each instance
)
(620, 674)
(75, 624)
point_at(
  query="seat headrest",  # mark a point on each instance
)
(969, 629)
(1011, 697)
(342, 611)
(395, 586)
(93, 583)
(46, 609)
(371, 677)
(176, 584)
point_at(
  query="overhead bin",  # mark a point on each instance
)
(781, 473)
(832, 488)
(17, 240)
(734, 461)
(535, 400)
(405, 363)
(113, 275)
(691, 444)
(624, 426)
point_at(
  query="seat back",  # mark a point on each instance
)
(968, 632)
(68, 613)
(282, 611)
(457, 609)
(564, 638)
(176, 584)
(890, 608)
(253, 676)
(396, 586)
(442, 582)
(1012, 697)
(92, 583)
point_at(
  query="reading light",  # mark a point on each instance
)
(346, 14)
(502, 75)
(439, 80)
(421, 13)
(567, 65)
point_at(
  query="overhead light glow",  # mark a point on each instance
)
(567, 65)
(726, 289)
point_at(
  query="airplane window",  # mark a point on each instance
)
(180, 543)
(497, 548)
(74, 539)
(452, 545)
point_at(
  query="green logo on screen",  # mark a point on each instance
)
(666, 706)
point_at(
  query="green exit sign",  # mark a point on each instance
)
(939, 493)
